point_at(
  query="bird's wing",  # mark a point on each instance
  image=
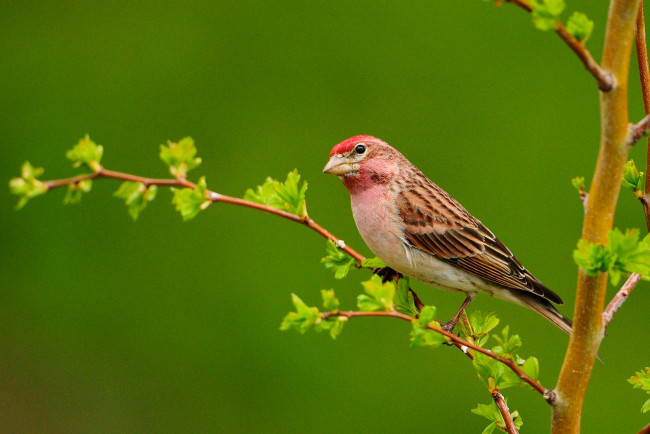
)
(438, 225)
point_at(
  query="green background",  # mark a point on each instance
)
(163, 326)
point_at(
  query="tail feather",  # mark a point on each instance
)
(548, 311)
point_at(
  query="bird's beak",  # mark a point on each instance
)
(339, 165)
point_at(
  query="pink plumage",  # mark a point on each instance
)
(347, 145)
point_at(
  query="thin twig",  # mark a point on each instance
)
(604, 78)
(638, 130)
(645, 430)
(500, 401)
(620, 298)
(644, 75)
(548, 394)
(211, 196)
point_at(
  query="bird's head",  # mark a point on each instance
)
(362, 162)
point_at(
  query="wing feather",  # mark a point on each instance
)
(438, 225)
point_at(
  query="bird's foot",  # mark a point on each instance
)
(387, 274)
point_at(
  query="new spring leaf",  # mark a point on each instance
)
(287, 196)
(642, 381)
(546, 13)
(136, 196)
(180, 157)
(86, 152)
(580, 27)
(625, 253)
(27, 186)
(337, 260)
(189, 202)
(379, 296)
(491, 412)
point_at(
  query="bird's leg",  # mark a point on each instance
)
(449, 326)
(418, 303)
(387, 274)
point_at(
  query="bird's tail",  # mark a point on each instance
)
(548, 311)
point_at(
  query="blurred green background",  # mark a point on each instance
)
(114, 326)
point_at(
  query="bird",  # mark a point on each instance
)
(420, 231)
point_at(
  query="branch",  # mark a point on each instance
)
(461, 343)
(604, 78)
(211, 196)
(587, 330)
(644, 75)
(505, 412)
(638, 130)
(620, 298)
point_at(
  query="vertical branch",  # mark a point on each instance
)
(601, 203)
(644, 75)
(505, 412)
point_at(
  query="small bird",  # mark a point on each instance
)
(418, 230)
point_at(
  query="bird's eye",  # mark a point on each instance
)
(360, 149)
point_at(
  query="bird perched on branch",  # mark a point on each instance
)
(417, 229)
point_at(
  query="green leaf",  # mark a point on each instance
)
(287, 196)
(379, 296)
(593, 258)
(76, 191)
(27, 186)
(404, 301)
(490, 371)
(189, 202)
(373, 263)
(491, 412)
(632, 178)
(303, 318)
(334, 325)
(337, 260)
(531, 367)
(628, 253)
(481, 324)
(86, 152)
(330, 302)
(422, 335)
(579, 183)
(641, 380)
(180, 157)
(136, 196)
(546, 13)
(508, 345)
(580, 27)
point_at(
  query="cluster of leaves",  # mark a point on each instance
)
(86, 152)
(495, 375)
(642, 381)
(633, 179)
(190, 201)
(625, 253)
(180, 156)
(491, 412)
(546, 15)
(136, 195)
(305, 317)
(27, 186)
(286, 196)
(336, 259)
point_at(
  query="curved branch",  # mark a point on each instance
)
(605, 79)
(210, 195)
(461, 343)
(620, 298)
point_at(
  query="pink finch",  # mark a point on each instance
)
(417, 229)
